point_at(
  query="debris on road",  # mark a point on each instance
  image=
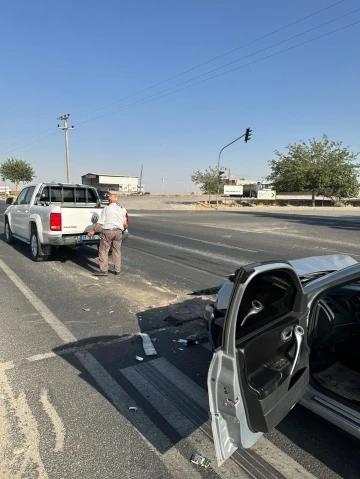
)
(199, 337)
(139, 358)
(181, 349)
(86, 309)
(154, 340)
(186, 342)
(200, 460)
(148, 345)
(133, 408)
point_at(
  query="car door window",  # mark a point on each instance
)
(29, 194)
(21, 198)
(267, 298)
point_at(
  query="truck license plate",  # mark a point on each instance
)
(87, 238)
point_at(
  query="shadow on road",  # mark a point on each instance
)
(108, 364)
(105, 363)
(84, 256)
(322, 440)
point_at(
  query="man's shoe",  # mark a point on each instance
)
(116, 273)
(100, 273)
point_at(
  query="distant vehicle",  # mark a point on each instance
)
(260, 190)
(49, 215)
(284, 332)
(104, 195)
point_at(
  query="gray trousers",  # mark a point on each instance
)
(110, 238)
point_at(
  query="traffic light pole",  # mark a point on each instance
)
(218, 164)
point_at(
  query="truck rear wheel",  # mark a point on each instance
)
(35, 247)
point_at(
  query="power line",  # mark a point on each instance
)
(30, 138)
(141, 101)
(214, 59)
(32, 143)
(150, 98)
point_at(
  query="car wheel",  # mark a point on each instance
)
(35, 248)
(9, 239)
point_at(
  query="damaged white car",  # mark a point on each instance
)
(284, 332)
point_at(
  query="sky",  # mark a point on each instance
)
(89, 58)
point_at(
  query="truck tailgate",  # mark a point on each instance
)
(78, 219)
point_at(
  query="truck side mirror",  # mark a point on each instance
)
(9, 201)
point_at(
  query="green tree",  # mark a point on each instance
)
(16, 171)
(208, 180)
(322, 167)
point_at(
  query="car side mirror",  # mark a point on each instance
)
(9, 201)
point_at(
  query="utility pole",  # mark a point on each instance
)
(66, 128)
(141, 174)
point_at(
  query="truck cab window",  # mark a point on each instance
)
(29, 194)
(21, 198)
(91, 196)
(69, 196)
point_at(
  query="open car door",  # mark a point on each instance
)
(262, 368)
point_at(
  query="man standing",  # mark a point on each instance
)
(113, 220)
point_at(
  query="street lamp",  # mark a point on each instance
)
(247, 136)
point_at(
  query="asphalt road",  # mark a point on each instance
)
(68, 346)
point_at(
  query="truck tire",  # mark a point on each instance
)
(9, 239)
(36, 253)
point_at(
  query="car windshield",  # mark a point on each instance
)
(306, 278)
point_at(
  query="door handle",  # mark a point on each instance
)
(256, 307)
(299, 335)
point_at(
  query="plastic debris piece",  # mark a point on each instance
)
(139, 358)
(154, 340)
(111, 312)
(148, 345)
(86, 309)
(200, 460)
(186, 342)
(198, 338)
(133, 408)
(181, 349)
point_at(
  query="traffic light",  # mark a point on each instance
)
(220, 175)
(248, 134)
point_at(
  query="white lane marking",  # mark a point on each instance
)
(211, 243)
(183, 265)
(42, 309)
(41, 357)
(180, 422)
(271, 231)
(266, 449)
(145, 427)
(207, 255)
(150, 434)
(58, 425)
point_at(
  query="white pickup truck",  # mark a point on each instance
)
(48, 215)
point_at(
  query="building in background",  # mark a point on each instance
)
(123, 184)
